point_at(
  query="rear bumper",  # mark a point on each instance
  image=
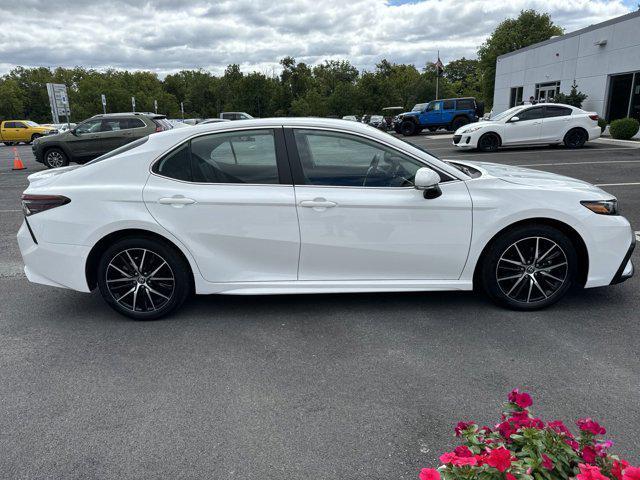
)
(595, 132)
(55, 264)
(626, 269)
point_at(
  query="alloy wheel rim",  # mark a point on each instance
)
(140, 280)
(489, 141)
(532, 269)
(55, 159)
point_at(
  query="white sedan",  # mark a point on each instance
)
(280, 206)
(544, 123)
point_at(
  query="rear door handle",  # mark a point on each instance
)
(317, 203)
(176, 201)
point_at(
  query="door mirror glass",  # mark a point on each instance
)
(427, 180)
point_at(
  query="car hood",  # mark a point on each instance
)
(530, 177)
(483, 124)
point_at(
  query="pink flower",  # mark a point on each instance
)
(547, 463)
(602, 447)
(591, 426)
(572, 443)
(589, 472)
(463, 451)
(588, 454)
(429, 474)
(461, 426)
(618, 467)
(447, 457)
(499, 458)
(631, 473)
(523, 400)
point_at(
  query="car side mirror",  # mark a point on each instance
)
(428, 181)
(514, 119)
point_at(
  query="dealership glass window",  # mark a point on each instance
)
(516, 96)
(547, 91)
(624, 96)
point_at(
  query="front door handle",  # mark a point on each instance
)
(318, 203)
(176, 201)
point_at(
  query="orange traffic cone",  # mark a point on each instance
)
(17, 162)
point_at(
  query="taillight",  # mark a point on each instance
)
(32, 204)
(594, 117)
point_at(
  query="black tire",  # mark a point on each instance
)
(55, 158)
(531, 285)
(575, 138)
(408, 128)
(34, 136)
(489, 142)
(162, 287)
(9, 144)
(459, 122)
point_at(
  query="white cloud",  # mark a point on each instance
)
(169, 35)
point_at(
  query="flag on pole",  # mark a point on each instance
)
(439, 65)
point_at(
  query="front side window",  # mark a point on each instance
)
(530, 114)
(20, 125)
(90, 126)
(337, 159)
(235, 157)
(435, 106)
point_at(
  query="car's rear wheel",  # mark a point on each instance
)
(489, 142)
(55, 158)
(408, 128)
(528, 268)
(459, 122)
(575, 138)
(143, 278)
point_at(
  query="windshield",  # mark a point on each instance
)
(506, 113)
(31, 124)
(418, 107)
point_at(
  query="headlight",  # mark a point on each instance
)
(602, 207)
(472, 129)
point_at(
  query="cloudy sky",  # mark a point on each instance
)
(169, 35)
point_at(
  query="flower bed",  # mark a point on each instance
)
(523, 447)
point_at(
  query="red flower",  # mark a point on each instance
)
(462, 461)
(591, 426)
(589, 472)
(523, 400)
(499, 458)
(463, 451)
(447, 457)
(461, 426)
(559, 427)
(506, 429)
(588, 454)
(481, 460)
(631, 473)
(429, 474)
(618, 467)
(547, 462)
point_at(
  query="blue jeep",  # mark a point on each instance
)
(449, 113)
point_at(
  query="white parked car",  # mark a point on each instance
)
(286, 205)
(544, 123)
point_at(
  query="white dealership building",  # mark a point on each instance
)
(603, 59)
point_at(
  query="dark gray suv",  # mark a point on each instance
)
(96, 136)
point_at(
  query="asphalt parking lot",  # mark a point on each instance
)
(289, 387)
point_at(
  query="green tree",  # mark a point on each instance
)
(574, 98)
(11, 100)
(512, 34)
(464, 77)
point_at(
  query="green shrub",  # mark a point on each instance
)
(602, 123)
(624, 128)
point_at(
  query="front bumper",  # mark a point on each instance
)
(626, 269)
(37, 153)
(55, 264)
(463, 141)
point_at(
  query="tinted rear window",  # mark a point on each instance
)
(467, 104)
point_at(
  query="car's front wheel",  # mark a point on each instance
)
(529, 267)
(143, 278)
(408, 128)
(489, 142)
(55, 158)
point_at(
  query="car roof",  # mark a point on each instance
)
(133, 114)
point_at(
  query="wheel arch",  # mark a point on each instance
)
(579, 127)
(91, 265)
(568, 230)
(59, 146)
(492, 132)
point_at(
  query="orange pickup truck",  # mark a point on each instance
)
(13, 132)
